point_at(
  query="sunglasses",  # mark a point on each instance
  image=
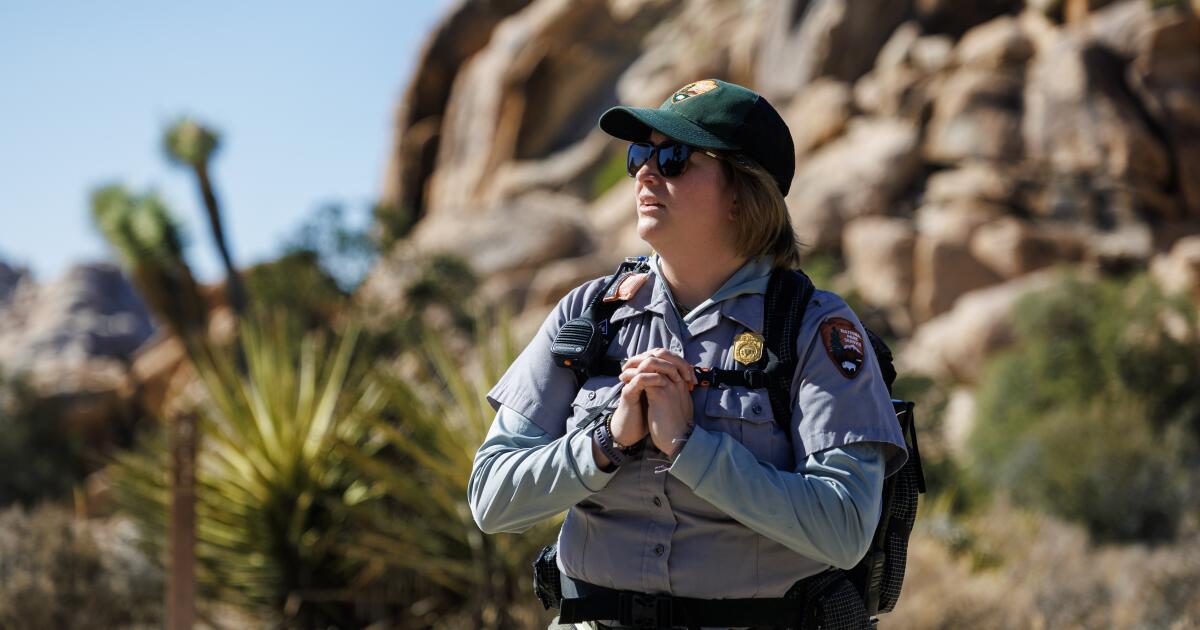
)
(672, 157)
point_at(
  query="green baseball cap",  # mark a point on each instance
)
(713, 114)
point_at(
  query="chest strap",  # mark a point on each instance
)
(788, 294)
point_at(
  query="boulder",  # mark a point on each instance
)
(417, 121)
(859, 174)
(92, 312)
(805, 40)
(943, 266)
(1178, 271)
(535, 89)
(1166, 77)
(955, 345)
(970, 182)
(696, 39)
(818, 115)
(1082, 126)
(905, 75)
(1012, 247)
(976, 115)
(996, 45)
(879, 259)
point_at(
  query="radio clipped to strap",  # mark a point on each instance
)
(581, 343)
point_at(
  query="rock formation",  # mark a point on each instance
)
(942, 149)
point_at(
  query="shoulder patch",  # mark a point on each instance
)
(626, 287)
(844, 345)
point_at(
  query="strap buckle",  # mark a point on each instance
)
(755, 379)
(644, 611)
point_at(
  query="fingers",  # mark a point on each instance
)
(648, 382)
(662, 361)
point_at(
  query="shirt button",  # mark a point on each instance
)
(657, 502)
(591, 395)
(659, 550)
(757, 409)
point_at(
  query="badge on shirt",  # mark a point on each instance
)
(844, 344)
(747, 348)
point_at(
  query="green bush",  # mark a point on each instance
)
(56, 572)
(1094, 414)
(46, 462)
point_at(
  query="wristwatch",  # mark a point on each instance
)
(615, 452)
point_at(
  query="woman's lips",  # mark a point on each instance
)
(649, 205)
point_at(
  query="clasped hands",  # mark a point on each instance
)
(656, 401)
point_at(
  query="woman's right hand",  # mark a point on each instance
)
(654, 368)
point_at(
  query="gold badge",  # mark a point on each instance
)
(747, 348)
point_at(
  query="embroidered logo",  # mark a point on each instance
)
(844, 344)
(694, 89)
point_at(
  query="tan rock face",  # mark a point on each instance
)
(818, 115)
(943, 266)
(1023, 139)
(1081, 123)
(879, 259)
(1178, 271)
(539, 85)
(859, 174)
(833, 38)
(1011, 247)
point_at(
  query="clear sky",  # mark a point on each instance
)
(302, 93)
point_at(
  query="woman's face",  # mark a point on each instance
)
(693, 210)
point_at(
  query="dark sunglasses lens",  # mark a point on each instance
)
(637, 156)
(672, 159)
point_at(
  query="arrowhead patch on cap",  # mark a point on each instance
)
(694, 89)
(844, 344)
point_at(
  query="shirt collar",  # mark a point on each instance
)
(749, 281)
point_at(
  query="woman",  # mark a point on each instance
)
(675, 490)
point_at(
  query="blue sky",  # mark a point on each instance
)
(302, 92)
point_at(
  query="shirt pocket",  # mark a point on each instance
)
(595, 392)
(746, 415)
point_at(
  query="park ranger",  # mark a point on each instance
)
(690, 500)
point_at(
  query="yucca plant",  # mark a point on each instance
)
(189, 144)
(419, 523)
(271, 483)
(146, 238)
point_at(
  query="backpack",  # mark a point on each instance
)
(581, 343)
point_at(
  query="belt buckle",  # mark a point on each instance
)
(644, 611)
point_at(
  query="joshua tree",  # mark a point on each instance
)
(190, 144)
(140, 229)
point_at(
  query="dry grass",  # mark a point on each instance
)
(1006, 568)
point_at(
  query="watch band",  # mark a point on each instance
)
(617, 455)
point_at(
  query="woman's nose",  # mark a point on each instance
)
(646, 172)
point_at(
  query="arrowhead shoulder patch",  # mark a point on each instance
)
(844, 345)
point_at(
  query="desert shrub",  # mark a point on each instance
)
(56, 572)
(271, 486)
(1094, 414)
(419, 527)
(46, 462)
(296, 283)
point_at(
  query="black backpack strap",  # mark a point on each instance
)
(788, 294)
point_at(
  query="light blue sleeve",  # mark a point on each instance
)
(521, 476)
(827, 510)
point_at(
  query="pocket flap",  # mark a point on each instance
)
(750, 405)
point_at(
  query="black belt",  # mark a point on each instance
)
(641, 610)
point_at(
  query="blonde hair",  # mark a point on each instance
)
(764, 227)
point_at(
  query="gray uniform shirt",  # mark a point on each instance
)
(735, 516)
